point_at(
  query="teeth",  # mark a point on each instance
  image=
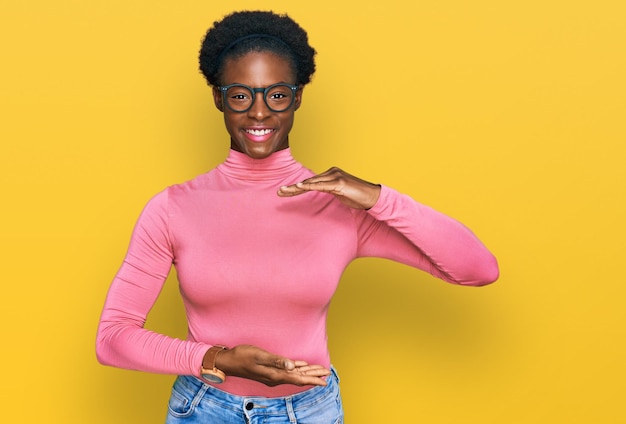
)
(259, 132)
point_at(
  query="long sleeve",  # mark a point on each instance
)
(406, 231)
(248, 265)
(122, 340)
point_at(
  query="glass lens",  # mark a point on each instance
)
(279, 97)
(239, 98)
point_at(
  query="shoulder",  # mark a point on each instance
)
(161, 203)
(198, 183)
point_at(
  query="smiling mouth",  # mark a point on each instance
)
(259, 133)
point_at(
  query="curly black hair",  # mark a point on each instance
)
(242, 32)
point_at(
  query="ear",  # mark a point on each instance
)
(298, 101)
(218, 99)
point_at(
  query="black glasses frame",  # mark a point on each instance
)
(254, 90)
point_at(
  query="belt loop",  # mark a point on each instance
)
(290, 413)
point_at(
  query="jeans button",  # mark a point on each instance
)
(249, 405)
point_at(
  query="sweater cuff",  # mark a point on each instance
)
(198, 357)
(380, 207)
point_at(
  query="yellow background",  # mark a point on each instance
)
(509, 116)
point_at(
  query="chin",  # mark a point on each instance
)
(258, 151)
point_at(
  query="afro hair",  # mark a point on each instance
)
(242, 32)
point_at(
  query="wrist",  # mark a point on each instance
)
(209, 370)
(376, 189)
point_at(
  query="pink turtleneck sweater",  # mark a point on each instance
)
(259, 269)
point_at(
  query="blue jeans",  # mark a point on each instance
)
(193, 401)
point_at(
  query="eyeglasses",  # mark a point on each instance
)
(240, 97)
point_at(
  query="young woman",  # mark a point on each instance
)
(259, 244)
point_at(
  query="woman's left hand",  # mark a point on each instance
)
(350, 190)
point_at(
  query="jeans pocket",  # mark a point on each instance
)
(327, 412)
(184, 399)
(325, 409)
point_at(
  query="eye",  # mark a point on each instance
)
(238, 93)
(238, 96)
(277, 96)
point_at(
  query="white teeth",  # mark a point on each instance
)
(259, 132)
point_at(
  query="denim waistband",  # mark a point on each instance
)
(302, 400)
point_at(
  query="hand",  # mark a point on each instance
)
(257, 364)
(350, 190)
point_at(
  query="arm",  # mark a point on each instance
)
(409, 232)
(122, 341)
(398, 228)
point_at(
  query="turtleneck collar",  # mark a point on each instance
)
(278, 165)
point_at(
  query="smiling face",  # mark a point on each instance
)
(258, 132)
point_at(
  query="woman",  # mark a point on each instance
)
(259, 244)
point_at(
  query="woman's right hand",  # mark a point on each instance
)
(254, 363)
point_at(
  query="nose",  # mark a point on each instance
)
(259, 109)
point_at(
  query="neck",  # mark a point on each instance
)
(276, 166)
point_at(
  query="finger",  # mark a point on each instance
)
(311, 381)
(313, 371)
(289, 191)
(304, 187)
(332, 175)
(305, 379)
(285, 364)
(327, 186)
(278, 362)
(302, 374)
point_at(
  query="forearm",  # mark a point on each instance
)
(122, 341)
(126, 346)
(441, 245)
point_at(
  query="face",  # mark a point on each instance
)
(259, 132)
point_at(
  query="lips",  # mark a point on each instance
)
(260, 132)
(258, 135)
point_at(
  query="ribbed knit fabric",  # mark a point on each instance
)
(259, 269)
